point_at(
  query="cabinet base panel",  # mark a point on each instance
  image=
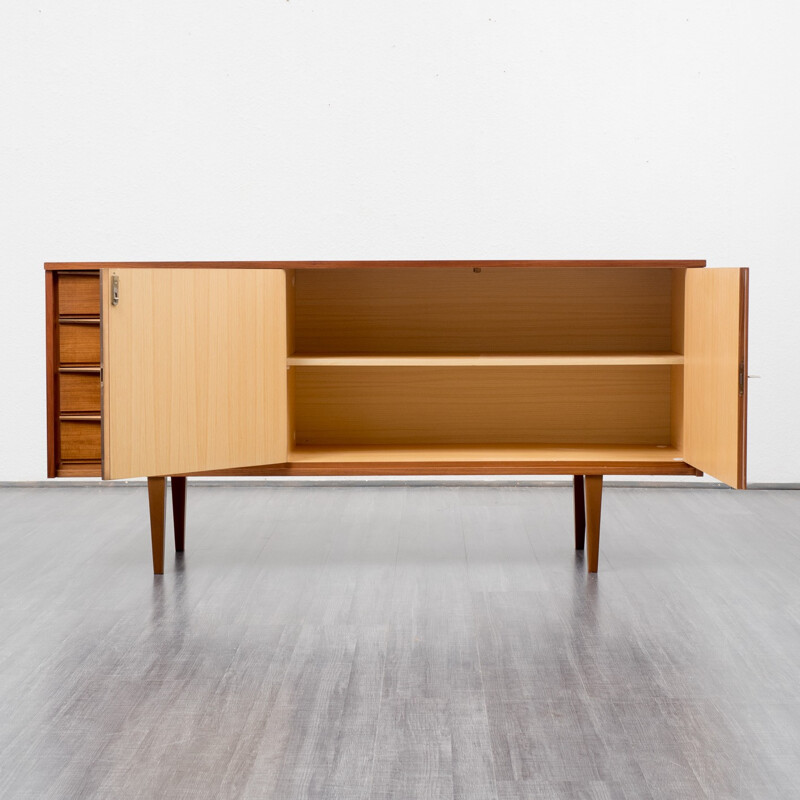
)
(350, 469)
(524, 459)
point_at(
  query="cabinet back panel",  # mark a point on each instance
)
(470, 405)
(490, 311)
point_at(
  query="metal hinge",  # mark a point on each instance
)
(114, 290)
(741, 379)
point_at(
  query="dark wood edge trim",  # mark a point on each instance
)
(457, 468)
(51, 348)
(744, 295)
(474, 263)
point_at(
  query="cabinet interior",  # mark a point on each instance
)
(465, 364)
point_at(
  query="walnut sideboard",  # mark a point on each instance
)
(582, 368)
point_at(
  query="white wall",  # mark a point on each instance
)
(360, 129)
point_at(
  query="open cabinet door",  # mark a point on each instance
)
(194, 370)
(715, 373)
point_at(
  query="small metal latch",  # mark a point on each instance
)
(114, 290)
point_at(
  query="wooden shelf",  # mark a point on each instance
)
(534, 453)
(484, 360)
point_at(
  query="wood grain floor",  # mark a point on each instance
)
(400, 642)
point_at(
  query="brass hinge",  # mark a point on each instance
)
(741, 379)
(114, 290)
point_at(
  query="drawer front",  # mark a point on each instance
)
(79, 343)
(80, 440)
(79, 295)
(79, 392)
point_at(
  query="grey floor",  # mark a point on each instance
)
(400, 642)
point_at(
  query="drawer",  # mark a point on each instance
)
(80, 440)
(78, 295)
(79, 343)
(79, 392)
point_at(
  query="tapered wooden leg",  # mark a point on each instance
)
(594, 497)
(156, 493)
(580, 510)
(178, 485)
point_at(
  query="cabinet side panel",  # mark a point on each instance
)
(290, 328)
(52, 372)
(715, 369)
(676, 407)
(195, 370)
(744, 328)
(678, 277)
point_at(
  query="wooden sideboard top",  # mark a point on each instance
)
(474, 263)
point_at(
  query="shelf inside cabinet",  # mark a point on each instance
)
(483, 359)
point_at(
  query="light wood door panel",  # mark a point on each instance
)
(194, 370)
(715, 379)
